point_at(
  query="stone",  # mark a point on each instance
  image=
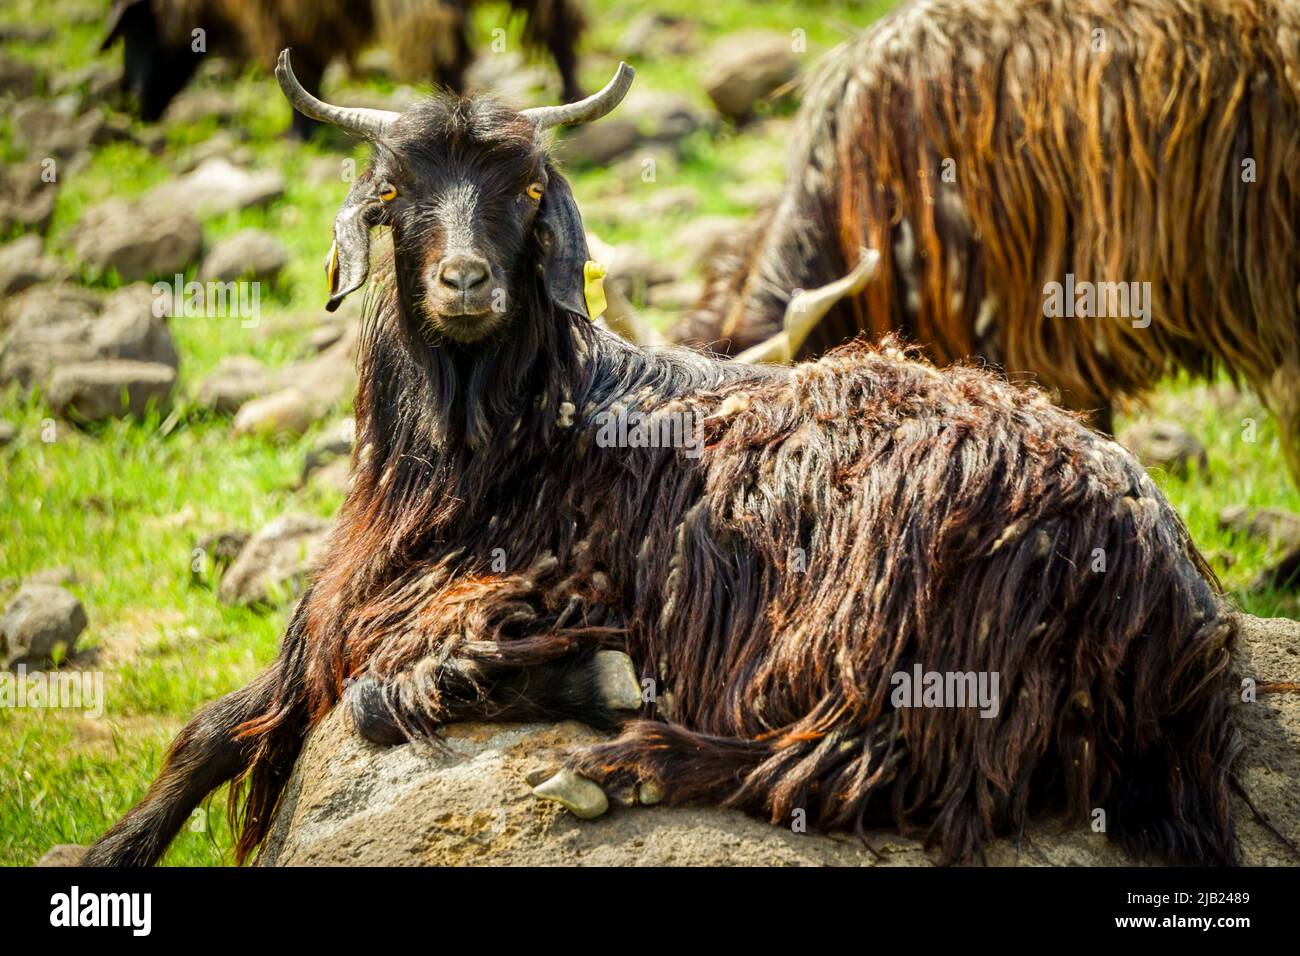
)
(662, 117)
(128, 328)
(236, 380)
(223, 547)
(251, 253)
(23, 263)
(8, 432)
(198, 104)
(217, 186)
(675, 296)
(40, 626)
(63, 854)
(100, 390)
(1165, 445)
(287, 412)
(1275, 525)
(353, 803)
(52, 129)
(656, 35)
(18, 78)
(139, 240)
(597, 144)
(26, 197)
(47, 304)
(274, 563)
(747, 67)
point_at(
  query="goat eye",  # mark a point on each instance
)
(387, 192)
(534, 191)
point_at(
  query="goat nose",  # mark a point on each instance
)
(463, 273)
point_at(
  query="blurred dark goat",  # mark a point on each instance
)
(998, 152)
(429, 39)
(731, 564)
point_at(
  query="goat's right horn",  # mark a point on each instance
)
(808, 308)
(372, 124)
(584, 111)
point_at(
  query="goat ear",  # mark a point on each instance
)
(348, 263)
(564, 242)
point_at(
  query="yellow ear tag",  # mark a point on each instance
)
(332, 265)
(593, 287)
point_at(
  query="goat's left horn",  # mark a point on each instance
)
(372, 124)
(584, 111)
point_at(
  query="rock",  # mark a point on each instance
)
(275, 562)
(23, 263)
(596, 144)
(653, 36)
(1165, 445)
(99, 390)
(332, 448)
(8, 432)
(224, 547)
(217, 186)
(141, 240)
(26, 33)
(40, 625)
(96, 81)
(26, 199)
(32, 351)
(285, 413)
(746, 67)
(236, 380)
(18, 78)
(351, 803)
(223, 145)
(334, 476)
(130, 329)
(250, 253)
(1275, 525)
(63, 854)
(197, 104)
(51, 129)
(47, 304)
(662, 117)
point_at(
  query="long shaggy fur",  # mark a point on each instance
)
(845, 520)
(1103, 138)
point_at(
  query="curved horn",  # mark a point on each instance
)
(807, 309)
(584, 111)
(372, 124)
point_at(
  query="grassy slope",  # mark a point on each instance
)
(124, 506)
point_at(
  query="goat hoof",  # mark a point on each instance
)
(616, 681)
(584, 799)
(371, 714)
(649, 793)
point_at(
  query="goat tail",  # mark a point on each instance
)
(251, 735)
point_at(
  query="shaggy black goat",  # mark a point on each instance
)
(429, 39)
(773, 547)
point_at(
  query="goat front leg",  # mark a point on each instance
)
(596, 686)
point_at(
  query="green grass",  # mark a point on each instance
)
(124, 505)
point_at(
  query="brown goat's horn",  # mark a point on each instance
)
(372, 124)
(584, 111)
(807, 309)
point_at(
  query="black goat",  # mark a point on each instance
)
(772, 547)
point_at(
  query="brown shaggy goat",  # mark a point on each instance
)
(429, 39)
(988, 148)
(774, 548)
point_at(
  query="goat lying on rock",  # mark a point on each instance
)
(535, 501)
